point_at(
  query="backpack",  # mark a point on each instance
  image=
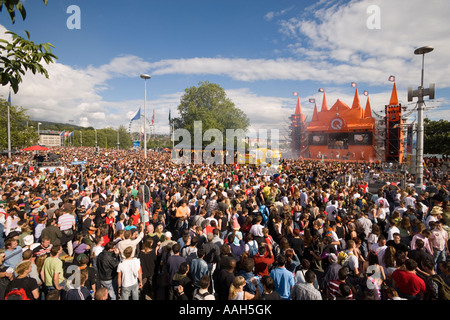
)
(264, 212)
(200, 296)
(253, 250)
(359, 203)
(343, 258)
(444, 289)
(16, 294)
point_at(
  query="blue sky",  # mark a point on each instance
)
(260, 52)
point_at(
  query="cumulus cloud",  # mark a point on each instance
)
(328, 43)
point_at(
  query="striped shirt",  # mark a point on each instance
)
(333, 289)
(66, 221)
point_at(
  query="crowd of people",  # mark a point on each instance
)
(123, 227)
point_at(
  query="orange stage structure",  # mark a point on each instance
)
(342, 132)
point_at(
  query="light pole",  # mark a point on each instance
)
(118, 142)
(95, 130)
(145, 77)
(420, 93)
(39, 134)
(81, 138)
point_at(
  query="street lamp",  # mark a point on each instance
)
(420, 93)
(118, 143)
(145, 77)
(39, 134)
(81, 138)
(95, 130)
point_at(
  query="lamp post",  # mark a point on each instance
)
(95, 130)
(420, 93)
(39, 134)
(81, 138)
(118, 143)
(145, 77)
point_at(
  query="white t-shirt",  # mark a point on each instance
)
(130, 271)
(390, 233)
(96, 251)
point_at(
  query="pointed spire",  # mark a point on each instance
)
(394, 98)
(368, 110)
(315, 116)
(298, 109)
(356, 103)
(324, 104)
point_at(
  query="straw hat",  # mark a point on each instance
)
(436, 210)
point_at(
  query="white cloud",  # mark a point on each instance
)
(330, 43)
(272, 14)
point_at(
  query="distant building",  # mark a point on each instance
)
(49, 138)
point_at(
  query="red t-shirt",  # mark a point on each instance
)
(262, 264)
(408, 283)
(136, 219)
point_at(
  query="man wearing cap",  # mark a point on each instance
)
(434, 215)
(166, 246)
(332, 271)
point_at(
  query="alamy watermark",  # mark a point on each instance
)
(190, 150)
(374, 20)
(74, 20)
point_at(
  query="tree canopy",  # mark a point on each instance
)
(21, 55)
(209, 104)
(437, 137)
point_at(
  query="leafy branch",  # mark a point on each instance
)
(21, 55)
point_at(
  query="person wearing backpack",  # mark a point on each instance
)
(22, 287)
(251, 246)
(437, 289)
(256, 230)
(202, 292)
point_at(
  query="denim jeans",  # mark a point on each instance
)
(131, 290)
(108, 284)
(2, 239)
(438, 256)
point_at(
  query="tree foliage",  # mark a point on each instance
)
(21, 55)
(209, 104)
(13, 5)
(106, 137)
(437, 137)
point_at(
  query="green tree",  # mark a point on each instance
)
(13, 5)
(437, 137)
(21, 134)
(21, 54)
(209, 104)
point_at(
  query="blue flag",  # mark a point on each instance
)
(169, 115)
(137, 116)
(9, 98)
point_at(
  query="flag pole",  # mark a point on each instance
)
(9, 125)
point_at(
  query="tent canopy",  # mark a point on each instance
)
(36, 148)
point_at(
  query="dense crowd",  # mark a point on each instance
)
(122, 227)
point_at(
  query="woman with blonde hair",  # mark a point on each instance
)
(237, 291)
(22, 281)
